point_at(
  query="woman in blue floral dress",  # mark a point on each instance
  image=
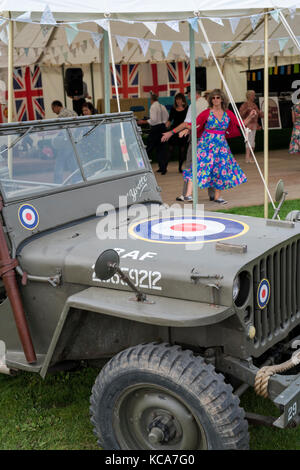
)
(216, 166)
(295, 138)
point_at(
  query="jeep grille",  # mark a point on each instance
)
(282, 269)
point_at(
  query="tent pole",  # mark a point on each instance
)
(106, 72)
(10, 69)
(92, 81)
(193, 103)
(10, 89)
(266, 113)
(63, 82)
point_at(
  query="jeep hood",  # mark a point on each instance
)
(194, 271)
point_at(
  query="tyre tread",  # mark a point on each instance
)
(180, 366)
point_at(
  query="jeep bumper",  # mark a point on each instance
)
(288, 401)
(283, 390)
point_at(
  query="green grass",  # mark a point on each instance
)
(53, 414)
(258, 211)
(37, 414)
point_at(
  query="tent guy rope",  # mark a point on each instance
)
(235, 109)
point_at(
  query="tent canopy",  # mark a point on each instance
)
(241, 34)
(239, 39)
(148, 8)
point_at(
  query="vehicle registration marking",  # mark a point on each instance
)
(140, 278)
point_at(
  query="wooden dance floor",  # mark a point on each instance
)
(282, 165)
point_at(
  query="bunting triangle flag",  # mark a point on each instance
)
(186, 47)
(275, 15)
(166, 45)
(102, 23)
(71, 34)
(121, 41)
(234, 23)
(217, 20)
(97, 37)
(173, 25)
(205, 48)
(254, 20)
(292, 11)
(152, 26)
(25, 16)
(282, 42)
(4, 36)
(225, 46)
(144, 44)
(47, 16)
(194, 23)
(73, 25)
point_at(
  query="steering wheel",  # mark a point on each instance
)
(86, 165)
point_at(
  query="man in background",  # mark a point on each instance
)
(201, 105)
(158, 118)
(62, 112)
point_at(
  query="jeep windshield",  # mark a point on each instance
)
(51, 155)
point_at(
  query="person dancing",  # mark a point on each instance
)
(216, 166)
(294, 146)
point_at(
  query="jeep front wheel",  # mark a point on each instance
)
(160, 397)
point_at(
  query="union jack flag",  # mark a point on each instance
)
(28, 93)
(179, 77)
(127, 80)
(155, 81)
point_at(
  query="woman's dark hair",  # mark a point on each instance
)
(180, 95)
(224, 99)
(89, 105)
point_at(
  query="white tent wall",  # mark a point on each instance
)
(236, 79)
(52, 88)
(234, 76)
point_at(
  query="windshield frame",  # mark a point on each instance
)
(24, 128)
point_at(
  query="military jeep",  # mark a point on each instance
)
(186, 309)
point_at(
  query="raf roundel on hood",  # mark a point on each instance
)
(187, 229)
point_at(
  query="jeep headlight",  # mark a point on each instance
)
(236, 287)
(241, 288)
